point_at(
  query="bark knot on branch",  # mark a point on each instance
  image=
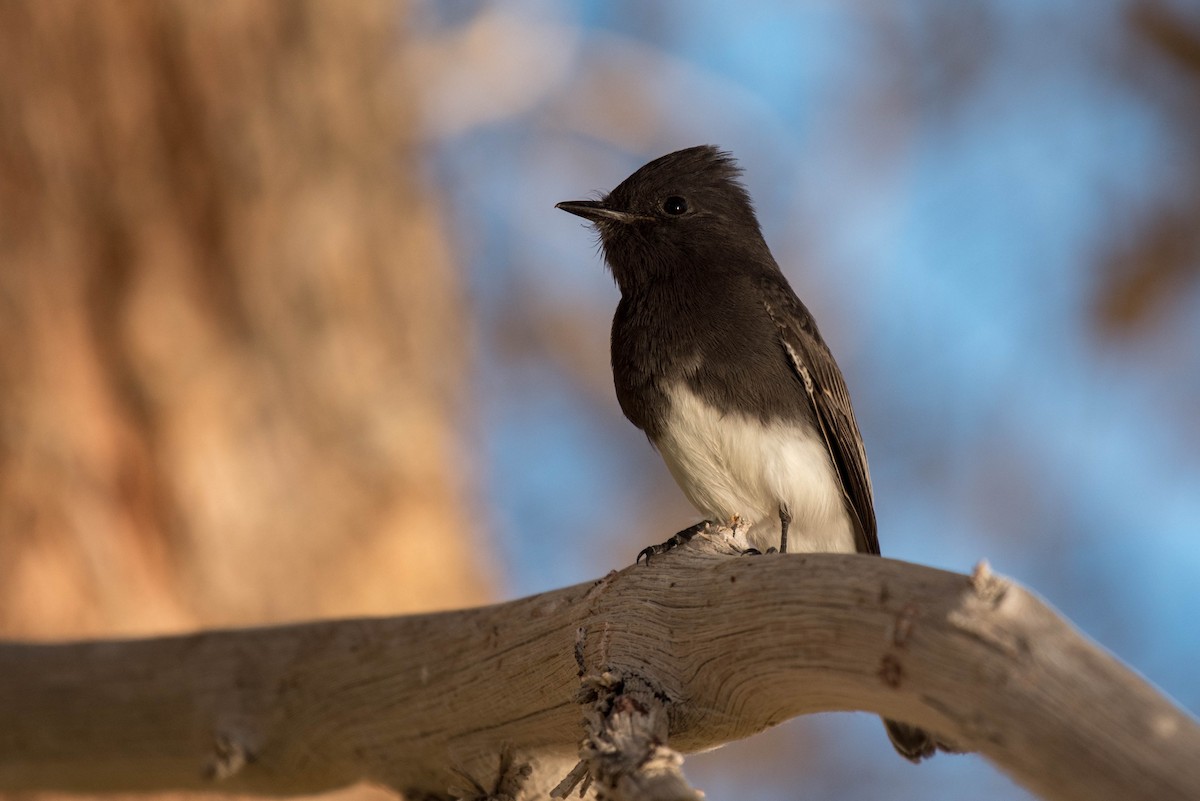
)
(625, 752)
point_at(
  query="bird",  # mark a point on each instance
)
(721, 365)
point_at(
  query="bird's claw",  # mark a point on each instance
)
(679, 538)
(653, 550)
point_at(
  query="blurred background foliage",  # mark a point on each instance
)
(290, 328)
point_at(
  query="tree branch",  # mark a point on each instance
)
(489, 700)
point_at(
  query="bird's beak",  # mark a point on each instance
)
(596, 211)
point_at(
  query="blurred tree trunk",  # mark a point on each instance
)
(232, 354)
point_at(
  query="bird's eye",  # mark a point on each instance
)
(675, 205)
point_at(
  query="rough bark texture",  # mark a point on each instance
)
(728, 646)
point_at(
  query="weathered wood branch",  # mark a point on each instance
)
(491, 697)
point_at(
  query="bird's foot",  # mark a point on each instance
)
(679, 538)
(756, 552)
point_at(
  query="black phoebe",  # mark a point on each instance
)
(720, 364)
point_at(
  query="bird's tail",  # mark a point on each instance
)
(915, 744)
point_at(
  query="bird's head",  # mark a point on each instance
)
(675, 213)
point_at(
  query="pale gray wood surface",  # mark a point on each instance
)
(730, 644)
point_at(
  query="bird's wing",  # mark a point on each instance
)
(826, 389)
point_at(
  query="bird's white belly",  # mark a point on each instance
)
(731, 465)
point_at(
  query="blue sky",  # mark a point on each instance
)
(939, 184)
